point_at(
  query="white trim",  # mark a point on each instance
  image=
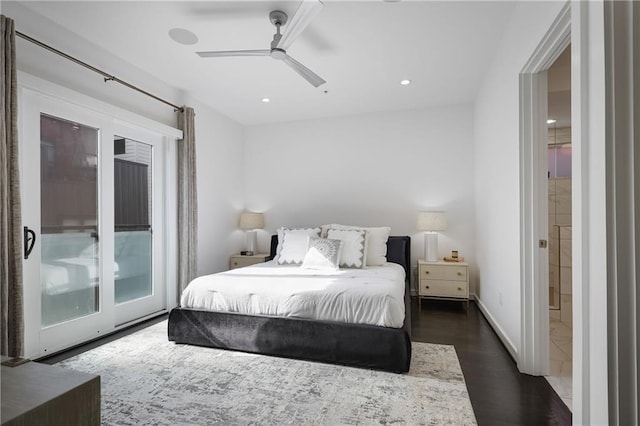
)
(508, 344)
(121, 116)
(534, 299)
(171, 216)
(589, 105)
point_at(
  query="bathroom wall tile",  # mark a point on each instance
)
(565, 253)
(563, 203)
(551, 186)
(552, 223)
(566, 309)
(563, 219)
(554, 276)
(565, 232)
(566, 282)
(554, 315)
(554, 251)
(551, 205)
(563, 186)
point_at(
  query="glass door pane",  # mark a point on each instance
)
(133, 232)
(70, 273)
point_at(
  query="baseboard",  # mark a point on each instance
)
(509, 346)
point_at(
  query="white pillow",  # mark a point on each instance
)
(353, 250)
(323, 254)
(376, 242)
(293, 246)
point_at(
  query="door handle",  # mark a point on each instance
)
(29, 237)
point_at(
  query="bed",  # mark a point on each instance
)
(379, 347)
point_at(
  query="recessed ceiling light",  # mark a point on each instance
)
(405, 82)
(182, 36)
(265, 100)
(551, 121)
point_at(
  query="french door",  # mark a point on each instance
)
(94, 213)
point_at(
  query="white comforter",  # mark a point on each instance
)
(372, 295)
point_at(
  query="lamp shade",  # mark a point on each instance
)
(250, 220)
(432, 221)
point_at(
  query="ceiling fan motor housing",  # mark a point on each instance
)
(278, 17)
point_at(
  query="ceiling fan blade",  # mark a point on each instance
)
(214, 54)
(305, 72)
(306, 12)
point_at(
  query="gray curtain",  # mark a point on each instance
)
(10, 211)
(187, 201)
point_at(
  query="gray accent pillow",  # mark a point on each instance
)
(323, 254)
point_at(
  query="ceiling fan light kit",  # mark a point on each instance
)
(307, 10)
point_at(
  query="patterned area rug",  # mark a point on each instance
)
(148, 380)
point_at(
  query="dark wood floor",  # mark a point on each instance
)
(499, 394)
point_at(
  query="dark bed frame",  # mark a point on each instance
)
(368, 346)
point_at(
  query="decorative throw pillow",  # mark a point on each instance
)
(376, 242)
(294, 245)
(353, 250)
(323, 254)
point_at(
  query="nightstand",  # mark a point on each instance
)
(240, 261)
(443, 280)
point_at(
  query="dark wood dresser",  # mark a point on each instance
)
(39, 394)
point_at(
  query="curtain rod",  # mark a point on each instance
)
(107, 77)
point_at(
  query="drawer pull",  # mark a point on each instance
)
(459, 288)
(459, 273)
(427, 286)
(426, 272)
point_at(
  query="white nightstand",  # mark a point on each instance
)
(443, 280)
(239, 261)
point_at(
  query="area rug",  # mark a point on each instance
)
(147, 380)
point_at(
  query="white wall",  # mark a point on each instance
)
(497, 172)
(372, 170)
(219, 154)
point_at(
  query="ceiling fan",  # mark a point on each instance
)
(307, 10)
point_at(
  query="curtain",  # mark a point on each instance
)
(10, 212)
(187, 201)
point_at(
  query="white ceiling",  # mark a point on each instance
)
(361, 48)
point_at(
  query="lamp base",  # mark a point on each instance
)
(431, 246)
(252, 242)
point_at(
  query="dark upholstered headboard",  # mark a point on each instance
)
(398, 251)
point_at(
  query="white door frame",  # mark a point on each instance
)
(590, 29)
(534, 277)
(112, 117)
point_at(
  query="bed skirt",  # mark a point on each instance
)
(380, 348)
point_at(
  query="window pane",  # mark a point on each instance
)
(133, 238)
(69, 212)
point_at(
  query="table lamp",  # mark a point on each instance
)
(251, 221)
(431, 222)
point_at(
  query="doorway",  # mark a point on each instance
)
(559, 212)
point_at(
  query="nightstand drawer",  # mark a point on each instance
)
(440, 272)
(443, 288)
(239, 261)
